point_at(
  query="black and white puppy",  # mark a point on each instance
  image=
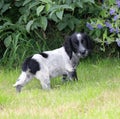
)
(62, 61)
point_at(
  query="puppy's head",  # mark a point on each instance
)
(79, 43)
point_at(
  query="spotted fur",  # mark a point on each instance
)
(62, 61)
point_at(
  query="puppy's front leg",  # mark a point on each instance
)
(64, 78)
(44, 80)
(73, 75)
(45, 84)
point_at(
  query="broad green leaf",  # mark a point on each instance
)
(65, 6)
(1, 3)
(39, 9)
(5, 8)
(34, 4)
(111, 2)
(61, 26)
(54, 18)
(92, 1)
(71, 25)
(51, 14)
(67, 1)
(43, 22)
(7, 41)
(47, 7)
(35, 25)
(46, 1)
(54, 8)
(79, 4)
(26, 1)
(61, 7)
(29, 24)
(59, 14)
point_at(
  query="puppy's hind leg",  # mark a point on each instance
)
(45, 84)
(24, 78)
(44, 80)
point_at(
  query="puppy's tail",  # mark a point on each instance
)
(23, 75)
(22, 80)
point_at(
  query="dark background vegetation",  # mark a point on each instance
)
(32, 26)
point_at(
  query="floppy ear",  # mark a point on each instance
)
(89, 42)
(68, 47)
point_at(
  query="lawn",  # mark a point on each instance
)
(95, 96)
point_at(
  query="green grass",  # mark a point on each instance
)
(95, 96)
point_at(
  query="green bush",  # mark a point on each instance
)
(28, 26)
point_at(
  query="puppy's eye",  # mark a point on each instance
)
(76, 42)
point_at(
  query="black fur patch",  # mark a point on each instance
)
(68, 47)
(31, 64)
(74, 43)
(25, 64)
(45, 55)
(71, 45)
(74, 75)
(89, 43)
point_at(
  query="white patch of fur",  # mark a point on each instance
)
(79, 36)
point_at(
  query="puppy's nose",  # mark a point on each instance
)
(83, 52)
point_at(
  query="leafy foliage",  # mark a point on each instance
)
(28, 26)
(106, 27)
